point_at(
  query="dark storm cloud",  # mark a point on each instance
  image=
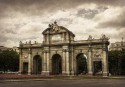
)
(34, 7)
(63, 3)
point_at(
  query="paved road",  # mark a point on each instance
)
(67, 83)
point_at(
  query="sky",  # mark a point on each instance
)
(24, 20)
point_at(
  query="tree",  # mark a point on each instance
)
(117, 62)
(9, 60)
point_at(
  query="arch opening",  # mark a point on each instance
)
(56, 64)
(37, 64)
(81, 64)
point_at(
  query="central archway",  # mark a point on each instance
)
(56, 64)
(37, 64)
(81, 64)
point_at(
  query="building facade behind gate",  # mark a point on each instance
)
(57, 55)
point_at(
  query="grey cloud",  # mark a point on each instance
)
(113, 24)
(11, 31)
(119, 35)
(90, 13)
(60, 2)
(11, 8)
(87, 13)
(34, 7)
(118, 22)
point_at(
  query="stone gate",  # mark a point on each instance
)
(58, 53)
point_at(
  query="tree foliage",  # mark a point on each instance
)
(9, 61)
(117, 62)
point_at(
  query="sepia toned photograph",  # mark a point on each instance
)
(66, 43)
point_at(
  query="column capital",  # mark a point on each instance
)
(66, 50)
(46, 51)
(90, 67)
(30, 51)
(90, 49)
(20, 51)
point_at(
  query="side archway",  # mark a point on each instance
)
(81, 64)
(37, 64)
(56, 64)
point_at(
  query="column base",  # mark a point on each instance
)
(46, 73)
(29, 73)
(105, 74)
(19, 73)
(90, 74)
(72, 73)
(65, 73)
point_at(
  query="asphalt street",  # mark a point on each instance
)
(66, 83)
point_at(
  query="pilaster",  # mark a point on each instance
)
(20, 62)
(72, 61)
(105, 62)
(90, 70)
(67, 63)
(66, 60)
(29, 61)
(46, 62)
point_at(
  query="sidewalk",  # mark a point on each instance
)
(16, 77)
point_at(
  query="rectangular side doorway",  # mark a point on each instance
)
(25, 68)
(97, 67)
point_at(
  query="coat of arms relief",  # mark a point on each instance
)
(54, 27)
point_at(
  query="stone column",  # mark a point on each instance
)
(20, 61)
(44, 63)
(47, 61)
(105, 63)
(29, 62)
(64, 63)
(32, 66)
(67, 62)
(72, 62)
(90, 71)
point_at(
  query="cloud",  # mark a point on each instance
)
(26, 19)
(36, 7)
(115, 22)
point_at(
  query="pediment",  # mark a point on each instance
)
(55, 29)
